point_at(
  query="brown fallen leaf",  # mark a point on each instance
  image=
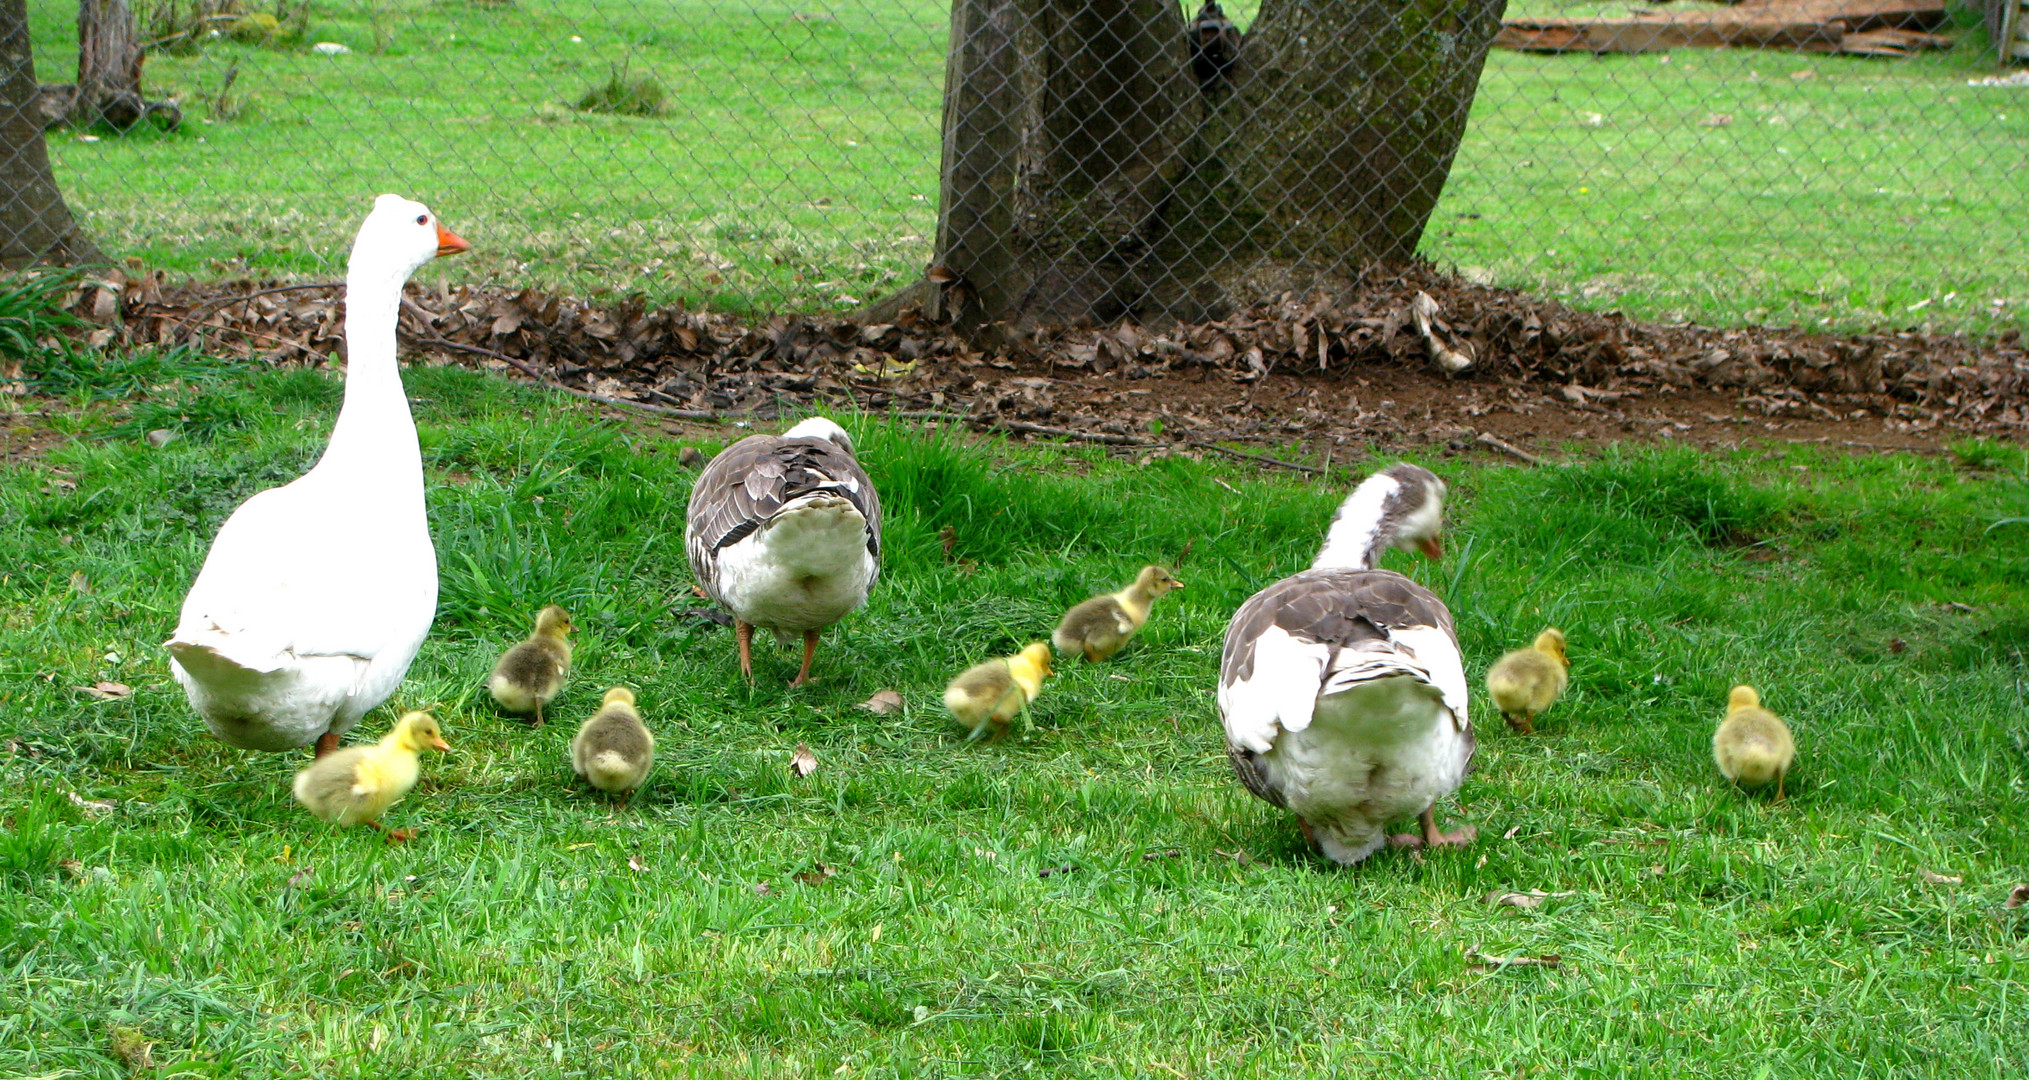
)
(883, 703)
(802, 762)
(1897, 646)
(107, 691)
(1482, 962)
(816, 875)
(302, 877)
(1151, 856)
(1718, 119)
(92, 807)
(1053, 871)
(635, 864)
(1529, 900)
(1240, 857)
(2018, 897)
(948, 537)
(1939, 879)
(761, 889)
(1510, 834)
(80, 583)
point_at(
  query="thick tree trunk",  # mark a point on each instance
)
(1087, 177)
(35, 223)
(1061, 119)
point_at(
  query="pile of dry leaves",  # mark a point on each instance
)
(1409, 356)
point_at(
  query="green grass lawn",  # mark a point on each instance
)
(530, 930)
(797, 168)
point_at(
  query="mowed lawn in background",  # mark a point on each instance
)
(1094, 895)
(797, 166)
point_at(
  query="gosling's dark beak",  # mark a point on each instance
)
(1432, 546)
(449, 243)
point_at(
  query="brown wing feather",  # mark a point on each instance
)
(753, 479)
(1336, 607)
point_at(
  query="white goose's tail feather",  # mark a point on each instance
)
(818, 535)
(257, 697)
(212, 654)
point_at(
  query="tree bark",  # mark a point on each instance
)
(108, 66)
(1087, 177)
(1061, 119)
(35, 223)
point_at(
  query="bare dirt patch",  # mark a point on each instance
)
(1298, 380)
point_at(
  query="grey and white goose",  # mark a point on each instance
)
(784, 532)
(1342, 687)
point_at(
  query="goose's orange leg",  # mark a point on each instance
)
(745, 632)
(809, 650)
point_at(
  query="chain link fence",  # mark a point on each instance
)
(786, 156)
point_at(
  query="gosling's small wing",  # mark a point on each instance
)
(1099, 614)
(751, 481)
(1321, 631)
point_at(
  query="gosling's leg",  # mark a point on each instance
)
(326, 743)
(538, 712)
(745, 632)
(392, 836)
(1779, 778)
(1309, 835)
(809, 650)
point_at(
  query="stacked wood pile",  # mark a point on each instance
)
(1853, 27)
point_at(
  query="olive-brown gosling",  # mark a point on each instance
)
(1099, 627)
(531, 673)
(613, 750)
(1527, 681)
(1753, 746)
(987, 695)
(354, 786)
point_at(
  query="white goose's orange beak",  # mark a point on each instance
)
(1432, 546)
(449, 243)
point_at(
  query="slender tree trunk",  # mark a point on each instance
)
(1087, 177)
(108, 66)
(35, 224)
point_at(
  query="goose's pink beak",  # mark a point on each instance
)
(1432, 546)
(449, 243)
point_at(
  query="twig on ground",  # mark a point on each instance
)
(476, 350)
(210, 306)
(1261, 458)
(1487, 438)
(1473, 955)
(1026, 428)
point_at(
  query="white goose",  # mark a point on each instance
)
(1342, 688)
(784, 532)
(316, 595)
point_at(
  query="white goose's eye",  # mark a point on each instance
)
(422, 219)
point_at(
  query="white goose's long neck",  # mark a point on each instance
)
(1357, 539)
(375, 434)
